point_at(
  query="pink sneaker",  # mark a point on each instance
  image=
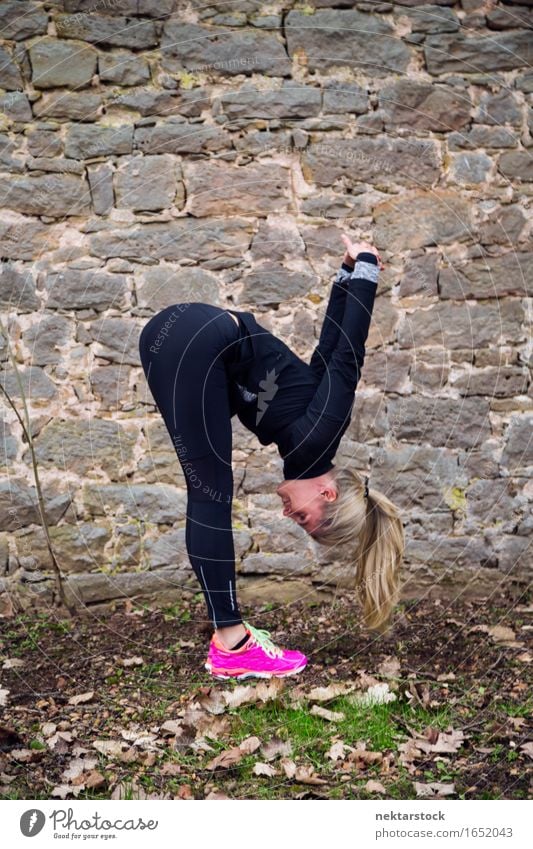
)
(257, 658)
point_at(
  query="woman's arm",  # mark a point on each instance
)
(318, 431)
(331, 325)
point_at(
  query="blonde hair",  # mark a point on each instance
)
(374, 524)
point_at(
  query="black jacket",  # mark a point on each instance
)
(308, 441)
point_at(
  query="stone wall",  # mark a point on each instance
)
(156, 152)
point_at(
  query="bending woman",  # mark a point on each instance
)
(205, 364)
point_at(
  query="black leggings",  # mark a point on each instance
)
(183, 352)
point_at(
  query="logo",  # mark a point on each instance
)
(32, 822)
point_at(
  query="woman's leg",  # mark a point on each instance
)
(182, 352)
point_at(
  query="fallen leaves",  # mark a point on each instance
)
(330, 715)
(81, 698)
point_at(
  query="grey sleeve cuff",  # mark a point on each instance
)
(342, 275)
(366, 270)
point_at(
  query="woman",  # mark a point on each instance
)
(205, 364)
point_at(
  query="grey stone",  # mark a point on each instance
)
(499, 108)
(44, 142)
(61, 63)
(47, 339)
(83, 445)
(424, 106)
(273, 283)
(106, 31)
(143, 8)
(52, 194)
(10, 76)
(71, 289)
(503, 226)
(516, 165)
(416, 476)
(36, 384)
(428, 18)
(422, 218)
(199, 48)
(20, 20)
(490, 277)
(117, 339)
(479, 136)
(370, 417)
(101, 185)
(56, 165)
(490, 502)
(163, 285)
(370, 160)
(182, 103)
(260, 142)
(181, 240)
(15, 106)
(73, 106)
(470, 168)
(123, 68)
(440, 421)
(23, 238)
(343, 97)
(420, 276)
(81, 547)
(111, 386)
(387, 371)
(252, 189)
(501, 18)
(180, 137)
(514, 556)
(452, 325)
(518, 450)
(274, 563)
(8, 443)
(468, 554)
(148, 183)
(88, 141)
(455, 52)
(91, 588)
(17, 288)
(291, 100)
(19, 505)
(276, 242)
(492, 382)
(321, 39)
(157, 504)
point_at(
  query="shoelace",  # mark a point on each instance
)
(262, 638)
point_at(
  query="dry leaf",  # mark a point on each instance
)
(63, 790)
(264, 769)
(215, 794)
(12, 663)
(377, 694)
(131, 661)
(390, 667)
(276, 747)
(229, 757)
(338, 750)
(330, 715)
(527, 748)
(288, 766)
(3, 697)
(81, 698)
(48, 728)
(434, 789)
(172, 726)
(211, 699)
(374, 786)
(324, 694)
(108, 747)
(440, 741)
(251, 744)
(95, 779)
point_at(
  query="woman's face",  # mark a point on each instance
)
(303, 500)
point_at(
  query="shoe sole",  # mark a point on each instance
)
(250, 674)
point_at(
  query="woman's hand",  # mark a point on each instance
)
(354, 248)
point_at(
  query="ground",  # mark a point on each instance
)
(119, 705)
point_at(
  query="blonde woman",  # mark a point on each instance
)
(205, 364)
